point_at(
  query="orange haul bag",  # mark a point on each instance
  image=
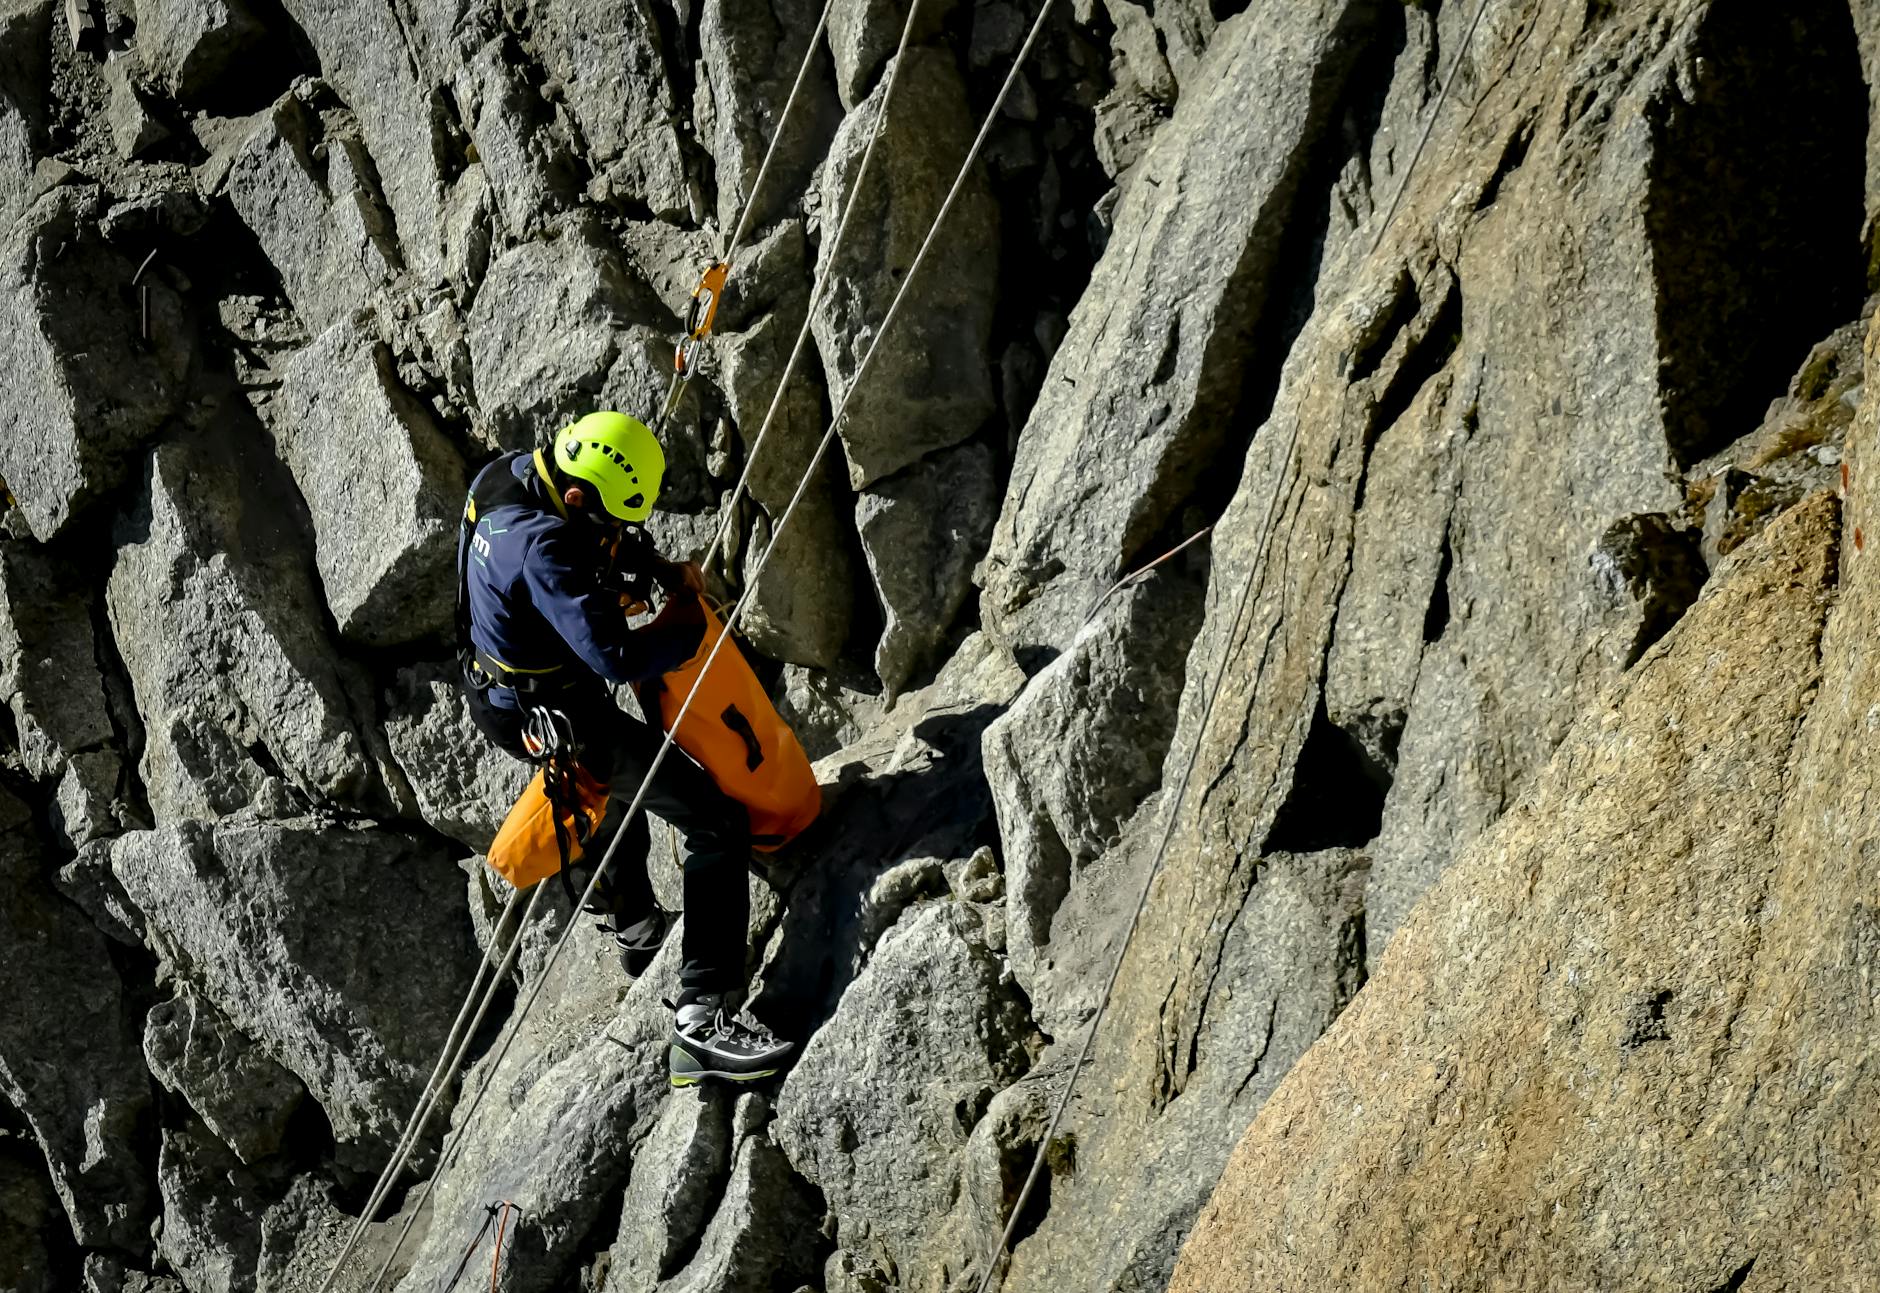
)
(525, 850)
(734, 733)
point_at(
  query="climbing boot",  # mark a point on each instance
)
(710, 1042)
(640, 942)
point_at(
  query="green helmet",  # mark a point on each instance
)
(619, 456)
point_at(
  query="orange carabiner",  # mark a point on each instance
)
(700, 315)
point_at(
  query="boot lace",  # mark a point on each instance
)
(740, 1030)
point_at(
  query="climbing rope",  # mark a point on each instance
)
(705, 303)
(702, 309)
(513, 1028)
(455, 1045)
(1142, 572)
(496, 1258)
(1243, 603)
(728, 519)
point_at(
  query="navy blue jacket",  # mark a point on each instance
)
(537, 599)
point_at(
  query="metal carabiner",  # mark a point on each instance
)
(701, 313)
(547, 733)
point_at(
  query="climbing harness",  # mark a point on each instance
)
(512, 1029)
(494, 487)
(548, 736)
(1244, 602)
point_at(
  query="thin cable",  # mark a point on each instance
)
(818, 288)
(513, 1028)
(489, 1216)
(776, 140)
(1442, 97)
(1215, 687)
(454, 1046)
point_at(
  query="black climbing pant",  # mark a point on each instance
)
(618, 749)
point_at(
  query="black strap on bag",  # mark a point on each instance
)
(549, 739)
(740, 726)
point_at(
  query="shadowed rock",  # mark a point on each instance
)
(342, 952)
(28, 1213)
(922, 532)
(191, 45)
(68, 1061)
(240, 1094)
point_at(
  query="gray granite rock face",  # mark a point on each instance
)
(52, 682)
(1512, 441)
(304, 186)
(560, 329)
(25, 33)
(750, 50)
(342, 953)
(803, 608)
(369, 55)
(383, 485)
(1142, 395)
(88, 390)
(931, 382)
(243, 698)
(241, 1095)
(1069, 764)
(679, 1173)
(617, 83)
(879, 1106)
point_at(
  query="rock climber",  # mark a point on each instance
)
(551, 564)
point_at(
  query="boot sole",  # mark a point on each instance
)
(684, 1070)
(694, 1079)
